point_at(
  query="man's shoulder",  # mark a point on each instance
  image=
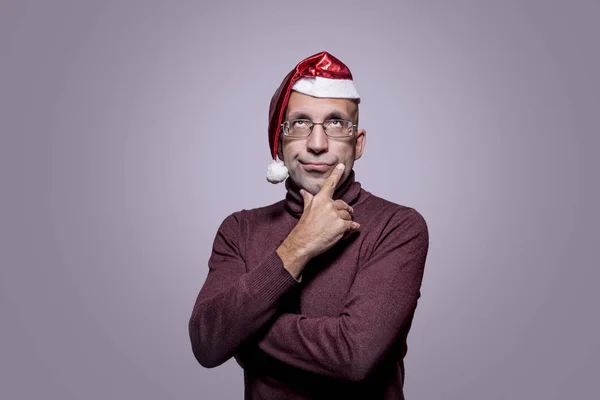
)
(391, 211)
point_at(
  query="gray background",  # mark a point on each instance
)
(130, 129)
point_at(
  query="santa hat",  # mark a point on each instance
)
(320, 75)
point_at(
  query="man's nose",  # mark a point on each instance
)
(317, 141)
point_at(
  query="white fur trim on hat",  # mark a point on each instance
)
(326, 87)
(277, 171)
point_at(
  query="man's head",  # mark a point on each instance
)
(320, 89)
(311, 159)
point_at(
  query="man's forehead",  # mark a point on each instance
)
(299, 102)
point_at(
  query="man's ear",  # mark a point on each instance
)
(360, 142)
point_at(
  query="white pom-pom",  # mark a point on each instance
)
(277, 171)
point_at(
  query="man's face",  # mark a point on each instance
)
(311, 159)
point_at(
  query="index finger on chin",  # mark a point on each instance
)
(330, 184)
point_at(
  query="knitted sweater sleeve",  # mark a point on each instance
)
(235, 301)
(380, 304)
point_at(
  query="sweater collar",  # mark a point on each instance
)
(348, 191)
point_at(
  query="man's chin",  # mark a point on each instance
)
(312, 184)
(312, 187)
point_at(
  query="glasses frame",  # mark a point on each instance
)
(285, 128)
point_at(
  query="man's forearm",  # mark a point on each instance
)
(233, 305)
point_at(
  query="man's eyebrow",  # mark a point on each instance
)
(337, 115)
(331, 115)
(298, 115)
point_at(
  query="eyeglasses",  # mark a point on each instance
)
(336, 128)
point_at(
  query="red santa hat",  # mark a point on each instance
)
(320, 75)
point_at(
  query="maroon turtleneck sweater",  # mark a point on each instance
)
(340, 332)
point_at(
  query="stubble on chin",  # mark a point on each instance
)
(315, 188)
(311, 186)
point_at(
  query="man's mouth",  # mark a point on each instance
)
(316, 166)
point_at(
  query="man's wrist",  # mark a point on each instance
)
(294, 257)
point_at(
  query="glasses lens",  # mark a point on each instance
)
(299, 127)
(338, 128)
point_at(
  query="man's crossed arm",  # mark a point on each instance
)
(379, 306)
(234, 305)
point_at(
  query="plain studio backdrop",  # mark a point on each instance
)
(131, 129)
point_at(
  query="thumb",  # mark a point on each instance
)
(307, 197)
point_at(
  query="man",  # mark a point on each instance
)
(314, 295)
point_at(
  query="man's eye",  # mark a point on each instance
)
(299, 123)
(335, 122)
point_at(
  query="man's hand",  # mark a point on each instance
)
(322, 224)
